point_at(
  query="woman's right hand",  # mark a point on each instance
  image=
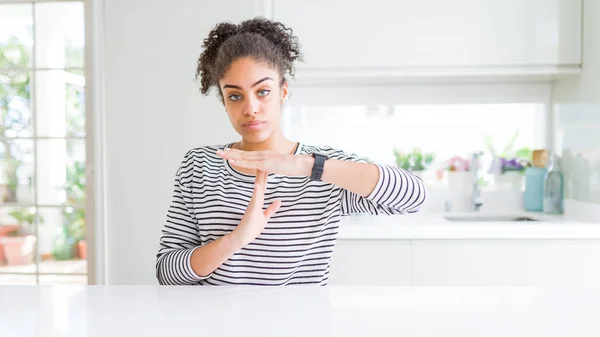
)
(255, 219)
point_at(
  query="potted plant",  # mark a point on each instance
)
(508, 166)
(19, 245)
(415, 161)
(76, 231)
(511, 172)
(71, 240)
(421, 160)
(458, 174)
(5, 230)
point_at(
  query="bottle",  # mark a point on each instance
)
(533, 196)
(553, 187)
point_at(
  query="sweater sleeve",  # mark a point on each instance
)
(397, 192)
(180, 236)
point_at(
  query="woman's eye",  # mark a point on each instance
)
(235, 97)
(264, 92)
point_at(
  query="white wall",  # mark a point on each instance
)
(154, 114)
(577, 115)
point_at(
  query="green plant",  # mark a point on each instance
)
(415, 160)
(76, 225)
(15, 96)
(421, 160)
(402, 159)
(75, 189)
(73, 229)
(25, 218)
(12, 180)
(509, 152)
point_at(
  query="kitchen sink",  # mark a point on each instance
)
(487, 218)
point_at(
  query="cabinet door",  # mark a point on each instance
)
(434, 33)
(371, 262)
(505, 263)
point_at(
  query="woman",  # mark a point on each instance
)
(217, 232)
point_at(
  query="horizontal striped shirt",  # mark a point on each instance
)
(210, 198)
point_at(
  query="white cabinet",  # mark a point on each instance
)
(572, 263)
(371, 262)
(505, 263)
(338, 34)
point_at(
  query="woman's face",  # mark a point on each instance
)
(252, 97)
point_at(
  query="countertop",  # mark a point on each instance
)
(149, 311)
(435, 226)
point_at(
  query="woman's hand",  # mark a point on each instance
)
(270, 162)
(255, 219)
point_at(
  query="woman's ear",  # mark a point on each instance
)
(284, 91)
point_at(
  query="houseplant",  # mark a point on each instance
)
(70, 240)
(415, 161)
(5, 230)
(19, 245)
(458, 173)
(508, 166)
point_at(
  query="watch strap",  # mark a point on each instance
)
(318, 167)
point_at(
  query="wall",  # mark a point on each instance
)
(577, 116)
(154, 114)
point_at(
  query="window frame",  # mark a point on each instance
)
(93, 74)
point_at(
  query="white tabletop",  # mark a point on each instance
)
(296, 311)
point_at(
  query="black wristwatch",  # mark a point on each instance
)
(317, 170)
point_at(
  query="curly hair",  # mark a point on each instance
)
(261, 39)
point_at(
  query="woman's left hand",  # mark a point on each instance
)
(271, 162)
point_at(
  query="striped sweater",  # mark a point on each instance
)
(210, 198)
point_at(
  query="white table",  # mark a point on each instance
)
(296, 311)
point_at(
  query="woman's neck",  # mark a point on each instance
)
(276, 143)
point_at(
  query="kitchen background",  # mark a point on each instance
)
(98, 105)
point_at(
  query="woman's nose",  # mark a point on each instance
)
(251, 107)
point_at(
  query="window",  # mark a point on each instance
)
(430, 120)
(42, 143)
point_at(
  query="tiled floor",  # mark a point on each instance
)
(26, 274)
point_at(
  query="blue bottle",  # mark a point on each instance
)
(533, 197)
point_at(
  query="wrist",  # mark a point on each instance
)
(235, 240)
(307, 163)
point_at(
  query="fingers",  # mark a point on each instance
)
(272, 209)
(260, 186)
(233, 154)
(249, 164)
(246, 159)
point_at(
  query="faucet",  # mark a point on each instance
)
(476, 200)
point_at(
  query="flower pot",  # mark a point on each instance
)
(460, 185)
(4, 231)
(18, 250)
(509, 180)
(82, 249)
(460, 181)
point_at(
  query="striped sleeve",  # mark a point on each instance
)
(180, 236)
(397, 192)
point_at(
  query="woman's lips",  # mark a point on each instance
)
(254, 125)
